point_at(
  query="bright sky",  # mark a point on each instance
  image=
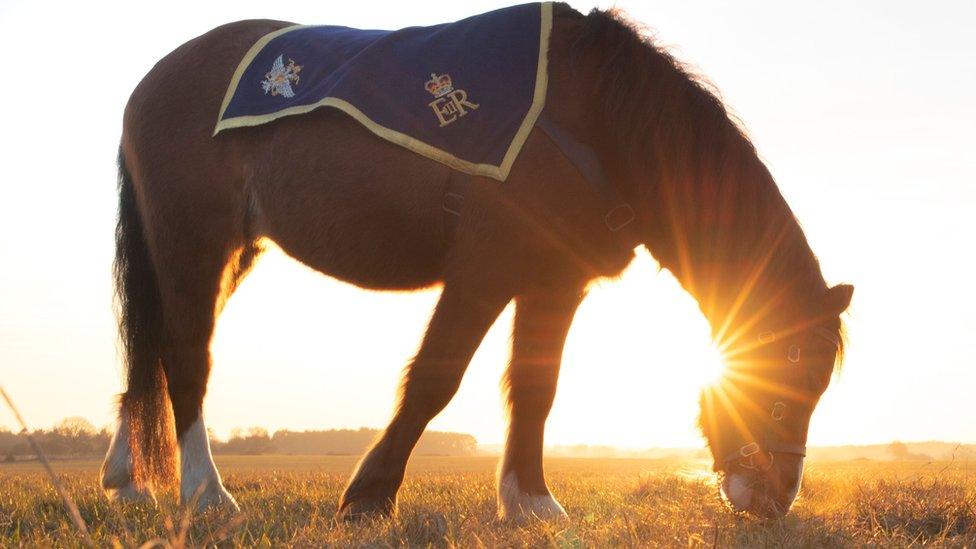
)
(864, 112)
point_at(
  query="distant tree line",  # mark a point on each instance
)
(335, 442)
(71, 437)
(899, 451)
(77, 437)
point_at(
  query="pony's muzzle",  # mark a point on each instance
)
(766, 494)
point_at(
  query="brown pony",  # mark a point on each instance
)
(194, 208)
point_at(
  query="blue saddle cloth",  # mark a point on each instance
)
(465, 93)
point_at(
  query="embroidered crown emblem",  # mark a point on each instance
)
(449, 104)
(439, 86)
(279, 79)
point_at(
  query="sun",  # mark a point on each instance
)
(638, 355)
(710, 363)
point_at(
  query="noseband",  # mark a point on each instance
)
(771, 444)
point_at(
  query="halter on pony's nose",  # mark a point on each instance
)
(759, 455)
(751, 483)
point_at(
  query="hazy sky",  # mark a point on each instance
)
(864, 112)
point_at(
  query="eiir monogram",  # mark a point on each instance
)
(451, 103)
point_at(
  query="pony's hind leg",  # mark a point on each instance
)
(541, 323)
(197, 290)
(196, 233)
(192, 298)
(116, 472)
(140, 453)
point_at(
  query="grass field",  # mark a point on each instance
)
(450, 502)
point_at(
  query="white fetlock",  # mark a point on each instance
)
(116, 473)
(200, 484)
(513, 503)
(208, 495)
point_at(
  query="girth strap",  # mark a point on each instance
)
(620, 217)
(454, 192)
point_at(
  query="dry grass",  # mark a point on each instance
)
(450, 502)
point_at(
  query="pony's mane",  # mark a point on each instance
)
(717, 220)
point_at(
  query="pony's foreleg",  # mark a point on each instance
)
(462, 316)
(541, 324)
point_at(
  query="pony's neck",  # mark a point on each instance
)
(722, 226)
(713, 214)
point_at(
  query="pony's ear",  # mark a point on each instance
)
(839, 298)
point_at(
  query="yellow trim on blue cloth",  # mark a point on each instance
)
(487, 170)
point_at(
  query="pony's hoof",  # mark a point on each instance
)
(130, 494)
(366, 508)
(515, 505)
(213, 497)
(541, 507)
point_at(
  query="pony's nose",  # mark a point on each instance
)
(738, 489)
(768, 495)
(783, 484)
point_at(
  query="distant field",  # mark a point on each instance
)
(290, 500)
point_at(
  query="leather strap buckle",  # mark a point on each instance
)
(794, 354)
(619, 217)
(778, 411)
(452, 203)
(749, 449)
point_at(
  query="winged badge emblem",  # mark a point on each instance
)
(281, 77)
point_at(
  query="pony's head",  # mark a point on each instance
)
(755, 418)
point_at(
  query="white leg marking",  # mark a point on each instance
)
(117, 468)
(513, 503)
(199, 479)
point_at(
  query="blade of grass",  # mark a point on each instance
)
(68, 502)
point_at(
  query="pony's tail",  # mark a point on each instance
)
(145, 402)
